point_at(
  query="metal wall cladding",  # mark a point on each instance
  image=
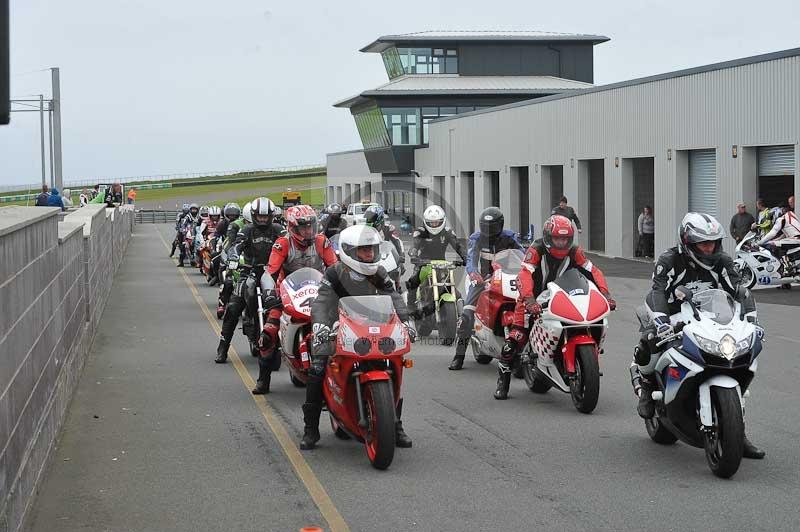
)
(753, 104)
(776, 160)
(703, 182)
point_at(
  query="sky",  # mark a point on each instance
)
(174, 86)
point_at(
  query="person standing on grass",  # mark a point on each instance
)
(132, 196)
(562, 209)
(647, 230)
(741, 222)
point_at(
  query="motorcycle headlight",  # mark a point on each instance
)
(743, 346)
(233, 264)
(727, 347)
(709, 346)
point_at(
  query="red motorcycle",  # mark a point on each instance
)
(365, 373)
(298, 292)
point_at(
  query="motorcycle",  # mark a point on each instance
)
(206, 262)
(757, 265)
(364, 377)
(298, 292)
(187, 241)
(262, 292)
(494, 311)
(703, 377)
(566, 342)
(437, 298)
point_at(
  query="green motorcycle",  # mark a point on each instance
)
(437, 299)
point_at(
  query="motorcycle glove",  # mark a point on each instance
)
(663, 327)
(476, 277)
(321, 333)
(412, 332)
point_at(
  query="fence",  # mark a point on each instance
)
(166, 177)
(155, 217)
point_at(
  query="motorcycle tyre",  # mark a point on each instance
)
(658, 432)
(380, 409)
(730, 430)
(338, 431)
(589, 370)
(536, 383)
(447, 325)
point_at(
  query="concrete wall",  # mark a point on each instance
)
(55, 277)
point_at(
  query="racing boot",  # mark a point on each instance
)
(646, 407)
(503, 381)
(264, 377)
(751, 451)
(401, 439)
(458, 360)
(174, 245)
(463, 333)
(180, 264)
(311, 412)
(222, 351)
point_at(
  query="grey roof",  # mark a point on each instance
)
(452, 84)
(773, 56)
(381, 43)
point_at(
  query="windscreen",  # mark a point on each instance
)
(509, 260)
(572, 282)
(716, 305)
(302, 277)
(375, 310)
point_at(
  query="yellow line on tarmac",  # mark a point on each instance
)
(305, 474)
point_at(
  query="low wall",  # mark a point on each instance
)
(55, 277)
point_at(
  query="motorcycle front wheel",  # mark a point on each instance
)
(725, 444)
(447, 324)
(746, 274)
(379, 410)
(585, 386)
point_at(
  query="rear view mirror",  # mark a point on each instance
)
(683, 294)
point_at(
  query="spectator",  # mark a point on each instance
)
(132, 196)
(741, 222)
(66, 197)
(41, 199)
(764, 223)
(113, 195)
(647, 229)
(568, 212)
(85, 197)
(95, 191)
(55, 200)
(791, 203)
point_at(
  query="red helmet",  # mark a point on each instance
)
(301, 221)
(558, 235)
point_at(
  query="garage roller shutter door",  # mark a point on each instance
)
(703, 181)
(776, 160)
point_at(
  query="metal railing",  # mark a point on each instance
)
(155, 217)
(164, 177)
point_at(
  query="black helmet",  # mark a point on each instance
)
(334, 208)
(232, 211)
(375, 217)
(491, 221)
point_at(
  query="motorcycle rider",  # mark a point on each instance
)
(227, 230)
(784, 235)
(333, 224)
(430, 243)
(546, 259)
(187, 226)
(178, 222)
(302, 247)
(358, 273)
(699, 264)
(490, 238)
(375, 217)
(254, 242)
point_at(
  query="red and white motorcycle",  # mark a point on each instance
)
(298, 292)
(494, 310)
(566, 342)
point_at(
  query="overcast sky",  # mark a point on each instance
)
(172, 86)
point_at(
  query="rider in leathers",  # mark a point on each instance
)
(302, 247)
(697, 263)
(236, 225)
(490, 238)
(546, 260)
(430, 243)
(357, 274)
(187, 225)
(333, 224)
(254, 242)
(178, 223)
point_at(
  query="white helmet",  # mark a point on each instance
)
(699, 227)
(214, 211)
(434, 219)
(263, 210)
(359, 236)
(247, 213)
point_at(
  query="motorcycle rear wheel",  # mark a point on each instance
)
(585, 387)
(658, 432)
(380, 413)
(483, 359)
(297, 382)
(338, 431)
(724, 447)
(447, 324)
(536, 383)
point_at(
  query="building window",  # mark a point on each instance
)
(403, 125)
(432, 113)
(391, 60)
(429, 60)
(371, 128)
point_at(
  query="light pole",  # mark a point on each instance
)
(56, 114)
(41, 136)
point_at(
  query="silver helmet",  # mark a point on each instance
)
(699, 227)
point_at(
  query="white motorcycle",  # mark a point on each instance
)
(703, 377)
(757, 266)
